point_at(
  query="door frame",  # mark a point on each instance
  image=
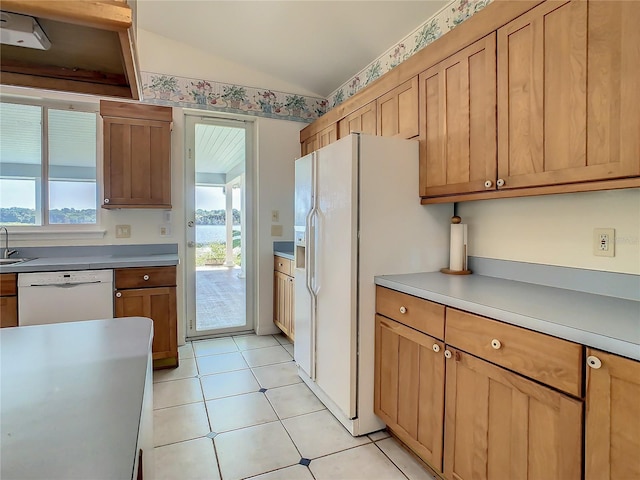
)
(191, 118)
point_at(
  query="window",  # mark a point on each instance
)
(47, 165)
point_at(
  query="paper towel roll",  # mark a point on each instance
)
(458, 247)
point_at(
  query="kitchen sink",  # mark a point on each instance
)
(13, 261)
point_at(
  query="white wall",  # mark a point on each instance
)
(160, 54)
(557, 229)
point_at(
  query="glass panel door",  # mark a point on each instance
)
(218, 241)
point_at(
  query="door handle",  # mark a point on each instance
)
(190, 223)
(191, 244)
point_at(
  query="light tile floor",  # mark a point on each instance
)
(236, 408)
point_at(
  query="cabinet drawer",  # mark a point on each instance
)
(282, 265)
(423, 315)
(548, 359)
(141, 277)
(8, 284)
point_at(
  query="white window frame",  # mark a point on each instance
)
(48, 231)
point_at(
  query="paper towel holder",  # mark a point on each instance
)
(465, 271)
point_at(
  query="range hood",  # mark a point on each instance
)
(91, 47)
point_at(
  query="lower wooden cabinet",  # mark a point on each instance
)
(481, 404)
(283, 296)
(156, 301)
(501, 425)
(612, 417)
(409, 387)
(8, 300)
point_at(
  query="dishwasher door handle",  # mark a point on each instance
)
(63, 285)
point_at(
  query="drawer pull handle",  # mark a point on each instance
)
(436, 347)
(403, 309)
(495, 343)
(447, 354)
(594, 362)
(118, 294)
(146, 277)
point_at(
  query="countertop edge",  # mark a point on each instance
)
(108, 263)
(286, 255)
(589, 339)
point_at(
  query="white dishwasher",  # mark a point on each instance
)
(54, 297)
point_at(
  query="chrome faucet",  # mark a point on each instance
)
(6, 253)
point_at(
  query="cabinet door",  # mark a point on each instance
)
(409, 387)
(397, 111)
(309, 145)
(8, 312)
(613, 95)
(137, 163)
(612, 418)
(458, 122)
(362, 120)
(290, 310)
(328, 135)
(500, 425)
(281, 317)
(542, 111)
(158, 304)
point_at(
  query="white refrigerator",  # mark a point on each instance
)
(357, 215)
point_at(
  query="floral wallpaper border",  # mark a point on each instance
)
(263, 102)
(449, 17)
(173, 90)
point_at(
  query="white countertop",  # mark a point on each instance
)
(71, 398)
(608, 323)
(97, 262)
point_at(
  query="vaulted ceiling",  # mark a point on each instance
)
(316, 45)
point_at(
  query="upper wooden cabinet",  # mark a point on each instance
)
(137, 155)
(92, 48)
(321, 139)
(458, 121)
(568, 75)
(362, 120)
(397, 111)
(309, 145)
(612, 417)
(328, 135)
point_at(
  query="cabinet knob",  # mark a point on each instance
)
(403, 309)
(146, 277)
(488, 184)
(436, 347)
(495, 343)
(106, 200)
(594, 362)
(500, 182)
(118, 294)
(280, 264)
(447, 354)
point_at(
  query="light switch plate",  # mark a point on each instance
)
(123, 231)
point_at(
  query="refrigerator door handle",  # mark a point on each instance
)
(307, 251)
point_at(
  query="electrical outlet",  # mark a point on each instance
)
(165, 230)
(275, 216)
(604, 240)
(123, 231)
